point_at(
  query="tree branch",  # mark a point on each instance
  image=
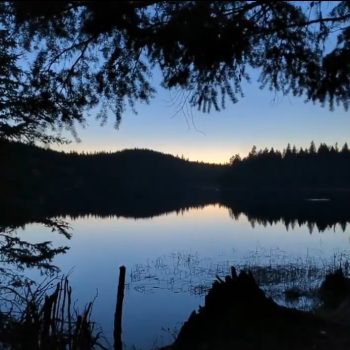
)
(74, 46)
(71, 70)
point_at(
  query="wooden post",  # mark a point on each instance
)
(234, 273)
(118, 344)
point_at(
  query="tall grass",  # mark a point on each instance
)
(45, 317)
(292, 281)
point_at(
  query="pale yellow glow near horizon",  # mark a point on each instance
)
(209, 155)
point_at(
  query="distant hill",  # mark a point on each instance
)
(34, 176)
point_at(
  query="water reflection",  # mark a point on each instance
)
(317, 216)
(317, 213)
(172, 257)
(173, 253)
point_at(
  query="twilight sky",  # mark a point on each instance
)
(260, 119)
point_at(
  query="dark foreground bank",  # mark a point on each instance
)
(237, 314)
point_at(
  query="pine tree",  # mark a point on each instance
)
(238, 158)
(253, 152)
(312, 149)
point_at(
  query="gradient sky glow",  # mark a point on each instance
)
(258, 119)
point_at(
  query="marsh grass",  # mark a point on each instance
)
(290, 281)
(45, 317)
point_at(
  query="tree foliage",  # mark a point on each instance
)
(89, 53)
(32, 108)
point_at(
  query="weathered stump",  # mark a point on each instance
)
(238, 315)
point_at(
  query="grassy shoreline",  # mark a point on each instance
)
(291, 282)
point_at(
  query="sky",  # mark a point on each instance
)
(260, 119)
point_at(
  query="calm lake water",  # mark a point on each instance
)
(167, 257)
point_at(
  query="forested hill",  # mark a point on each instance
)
(37, 177)
(323, 167)
(31, 173)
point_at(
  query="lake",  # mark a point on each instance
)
(168, 258)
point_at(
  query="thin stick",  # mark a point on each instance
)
(234, 273)
(69, 291)
(63, 284)
(118, 345)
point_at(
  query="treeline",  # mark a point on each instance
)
(47, 178)
(322, 167)
(36, 178)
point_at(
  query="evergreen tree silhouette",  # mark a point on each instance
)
(312, 168)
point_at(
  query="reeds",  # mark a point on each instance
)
(289, 280)
(50, 322)
(44, 317)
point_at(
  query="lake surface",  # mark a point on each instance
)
(168, 258)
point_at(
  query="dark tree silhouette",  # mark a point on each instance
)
(27, 114)
(324, 168)
(107, 184)
(54, 179)
(17, 187)
(89, 53)
(32, 108)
